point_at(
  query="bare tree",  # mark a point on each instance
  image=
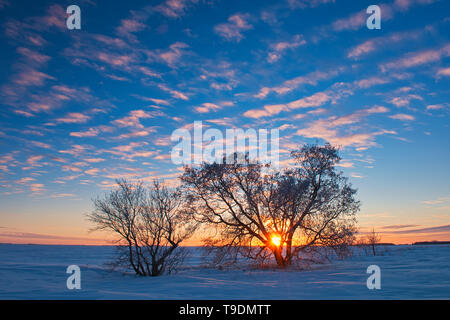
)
(149, 225)
(372, 240)
(261, 213)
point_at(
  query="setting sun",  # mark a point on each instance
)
(276, 240)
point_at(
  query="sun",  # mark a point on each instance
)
(276, 240)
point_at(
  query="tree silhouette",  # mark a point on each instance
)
(262, 213)
(149, 225)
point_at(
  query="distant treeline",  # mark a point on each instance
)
(431, 242)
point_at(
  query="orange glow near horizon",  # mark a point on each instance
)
(196, 240)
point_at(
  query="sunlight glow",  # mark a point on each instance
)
(276, 240)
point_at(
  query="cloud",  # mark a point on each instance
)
(289, 85)
(381, 42)
(25, 180)
(154, 100)
(404, 101)
(437, 229)
(280, 47)
(137, 133)
(367, 83)
(55, 17)
(128, 27)
(315, 100)
(40, 144)
(174, 53)
(208, 107)
(435, 107)
(437, 201)
(302, 4)
(4, 3)
(62, 195)
(133, 119)
(19, 236)
(232, 30)
(358, 19)
(444, 72)
(399, 226)
(92, 132)
(33, 56)
(176, 94)
(94, 160)
(174, 8)
(74, 117)
(75, 150)
(327, 129)
(417, 58)
(92, 172)
(345, 164)
(33, 160)
(402, 117)
(31, 77)
(37, 188)
(352, 22)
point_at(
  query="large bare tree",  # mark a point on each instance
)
(260, 213)
(149, 226)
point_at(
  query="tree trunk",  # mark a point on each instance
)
(279, 258)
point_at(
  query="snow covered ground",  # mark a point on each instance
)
(39, 272)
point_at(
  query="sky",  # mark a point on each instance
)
(83, 107)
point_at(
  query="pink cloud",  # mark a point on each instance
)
(353, 22)
(176, 94)
(404, 100)
(289, 85)
(33, 55)
(315, 100)
(92, 132)
(37, 188)
(56, 17)
(280, 47)
(149, 72)
(327, 129)
(92, 172)
(381, 42)
(74, 117)
(133, 119)
(75, 150)
(128, 27)
(232, 30)
(154, 100)
(174, 8)
(402, 117)
(208, 107)
(31, 77)
(114, 60)
(367, 83)
(94, 160)
(435, 107)
(138, 133)
(33, 160)
(174, 53)
(444, 72)
(417, 59)
(302, 4)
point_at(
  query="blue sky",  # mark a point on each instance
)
(81, 108)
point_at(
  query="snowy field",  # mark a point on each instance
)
(39, 272)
